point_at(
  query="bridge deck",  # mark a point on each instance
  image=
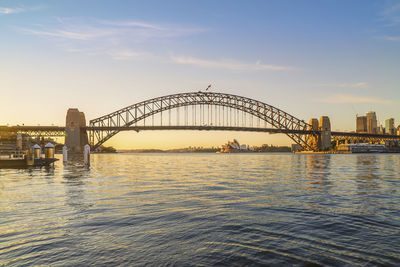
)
(60, 129)
(198, 127)
(31, 128)
(366, 135)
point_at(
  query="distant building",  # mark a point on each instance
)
(372, 123)
(361, 124)
(233, 147)
(389, 126)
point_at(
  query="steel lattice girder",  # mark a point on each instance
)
(55, 131)
(363, 138)
(132, 114)
(43, 133)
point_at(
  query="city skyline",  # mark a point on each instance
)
(337, 59)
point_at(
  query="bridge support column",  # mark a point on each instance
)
(325, 128)
(314, 140)
(75, 138)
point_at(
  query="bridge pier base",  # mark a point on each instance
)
(75, 138)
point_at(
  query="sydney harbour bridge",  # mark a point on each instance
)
(207, 111)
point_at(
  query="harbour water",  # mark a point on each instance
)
(204, 209)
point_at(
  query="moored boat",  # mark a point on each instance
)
(29, 159)
(23, 162)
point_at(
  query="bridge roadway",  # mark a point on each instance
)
(196, 127)
(60, 130)
(35, 130)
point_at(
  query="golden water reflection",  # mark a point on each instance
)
(205, 209)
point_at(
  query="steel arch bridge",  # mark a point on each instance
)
(201, 111)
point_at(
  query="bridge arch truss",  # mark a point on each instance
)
(199, 108)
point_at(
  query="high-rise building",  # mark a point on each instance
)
(372, 123)
(389, 126)
(361, 124)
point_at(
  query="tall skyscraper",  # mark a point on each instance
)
(372, 123)
(361, 124)
(389, 126)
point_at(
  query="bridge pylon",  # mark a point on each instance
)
(321, 141)
(75, 137)
(326, 136)
(314, 141)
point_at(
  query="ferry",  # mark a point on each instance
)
(25, 163)
(28, 159)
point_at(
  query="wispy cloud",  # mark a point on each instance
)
(164, 29)
(16, 10)
(227, 64)
(65, 34)
(118, 39)
(391, 14)
(347, 98)
(389, 20)
(11, 10)
(390, 38)
(130, 23)
(70, 28)
(343, 85)
(127, 54)
(131, 40)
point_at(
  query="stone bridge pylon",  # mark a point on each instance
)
(75, 137)
(321, 141)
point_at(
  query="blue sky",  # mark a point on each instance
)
(309, 58)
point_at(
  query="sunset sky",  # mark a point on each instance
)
(308, 58)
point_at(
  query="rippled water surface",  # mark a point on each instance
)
(204, 209)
